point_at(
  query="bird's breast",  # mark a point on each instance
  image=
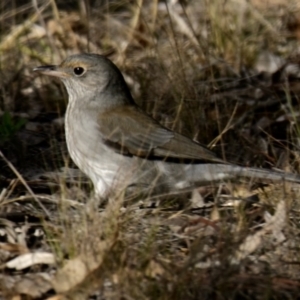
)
(90, 152)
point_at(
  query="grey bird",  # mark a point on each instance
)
(119, 146)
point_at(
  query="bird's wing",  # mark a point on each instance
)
(129, 130)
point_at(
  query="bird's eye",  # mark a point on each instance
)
(78, 71)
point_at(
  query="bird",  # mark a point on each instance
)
(120, 147)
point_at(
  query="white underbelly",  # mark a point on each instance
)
(106, 168)
(109, 171)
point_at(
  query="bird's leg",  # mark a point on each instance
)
(93, 204)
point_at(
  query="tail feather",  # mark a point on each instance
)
(218, 172)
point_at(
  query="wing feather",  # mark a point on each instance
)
(139, 134)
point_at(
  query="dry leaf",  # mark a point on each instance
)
(29, 259)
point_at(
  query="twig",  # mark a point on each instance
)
(20, 177)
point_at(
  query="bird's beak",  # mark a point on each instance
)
(51, 70)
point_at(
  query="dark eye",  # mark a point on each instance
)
(78, 71)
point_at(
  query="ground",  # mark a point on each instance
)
(225, 73)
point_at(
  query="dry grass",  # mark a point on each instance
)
(225, 73)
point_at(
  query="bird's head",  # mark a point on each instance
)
(92, 77)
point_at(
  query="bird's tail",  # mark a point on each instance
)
(218, 172)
